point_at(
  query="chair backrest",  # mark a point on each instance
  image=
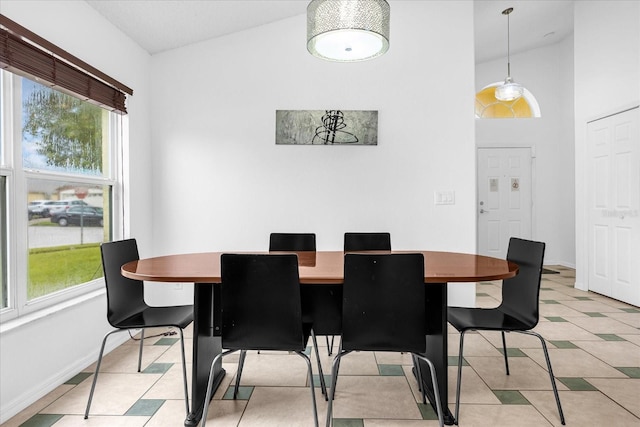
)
(292, 242)
(367, 242)
(520, 294)
(383, 306)
(125, 297)
(260, 300)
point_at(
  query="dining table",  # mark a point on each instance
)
(321, 277)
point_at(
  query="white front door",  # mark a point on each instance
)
(614, 206)
(504, 198)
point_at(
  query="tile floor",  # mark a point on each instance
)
(594, 345)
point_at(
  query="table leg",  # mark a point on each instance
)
(436, 303)
(206, 345)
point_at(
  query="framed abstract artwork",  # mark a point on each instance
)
(326, 127)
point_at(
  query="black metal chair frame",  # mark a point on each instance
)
(126, 309)
(261, 310)
(518, 311)
(384, 310)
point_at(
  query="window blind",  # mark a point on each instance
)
(27, 54)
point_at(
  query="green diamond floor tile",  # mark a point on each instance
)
(610, 337)
(577, 384)
(167, 341)
(513, 352)
(327, 380)
(584, 298)
(78, 378)
(427, 412)
(511, 397)
(630, 310)
(244, 392)
(555, 319)
(549, 301)
(158, 368)
(348, 422)
(453, 361)
(390, 370)
(633, 372)
(42, 420)
(594, 314)
(563, 344)
(482, 294)
(145, 407)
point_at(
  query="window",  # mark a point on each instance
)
(60, 173)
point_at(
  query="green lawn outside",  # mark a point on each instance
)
(55, 268)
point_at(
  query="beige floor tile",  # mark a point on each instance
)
(474, 389)
(374, 397)
(631, 338)
(392, 358)
(286, 406)
(631, 319)
(562, 331)
(605, 325)
(400, 423)
(274, 369)
(170, 385)
(173, 354)
(38, 406)
(124, 359)
(501, 416)
(559, 310)
(101, 421)
(574, 363)
(582, 408)
(513, 339)
(225, 413)
(625, 392)
(358, 363)
(170, 414)
(591, 306)
(475, 344)
(525, 374)
(114, 394)
(614, 353)
(554, 295)
(487, 302)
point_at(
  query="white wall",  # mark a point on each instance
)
(221, 182)
(607, 70)
(548, 73)
(38, 354)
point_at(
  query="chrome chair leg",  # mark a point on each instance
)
(551, 376)
(334, 377)
(504, 347)
(459, 380)
(416, 366)
(243, 355)
(184, 372)
(207, 399)
(313, 392)
(436, 390)
(330, 346)
(323, 386)
(95, 375)
(141, 346)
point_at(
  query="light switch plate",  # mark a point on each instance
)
(444, 197)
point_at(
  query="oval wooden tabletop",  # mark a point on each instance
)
(319, 267)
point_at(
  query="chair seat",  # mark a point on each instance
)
(178, 316)
(483, 319)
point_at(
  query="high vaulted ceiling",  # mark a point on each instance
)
(158, 26)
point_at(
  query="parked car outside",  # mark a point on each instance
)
(58, 206)
(88, 215)
(37, 209)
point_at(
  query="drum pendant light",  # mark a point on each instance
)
(347, 30)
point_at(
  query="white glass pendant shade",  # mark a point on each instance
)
(509, 90)
(348, 30)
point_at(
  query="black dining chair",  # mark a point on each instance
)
(383, 309)
(127, 310)
(261, 310)
(367, 242)
(518, 311)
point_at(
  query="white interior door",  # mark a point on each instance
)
(614, 206)
(504, 198)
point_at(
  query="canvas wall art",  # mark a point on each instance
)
(326, 127)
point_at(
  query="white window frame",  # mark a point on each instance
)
(16, 219)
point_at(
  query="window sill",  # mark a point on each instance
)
(21, 321)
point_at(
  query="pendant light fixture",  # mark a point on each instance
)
(509, 90)
(347, 30)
